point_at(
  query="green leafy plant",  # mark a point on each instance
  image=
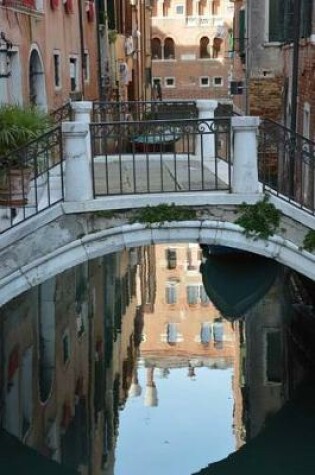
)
(162, 213)
(309, 241)
(18, 126)
(260, 220)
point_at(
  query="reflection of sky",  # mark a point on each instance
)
(191, 427)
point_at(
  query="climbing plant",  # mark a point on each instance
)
(309, 241)
(162, 213)
(260, 220)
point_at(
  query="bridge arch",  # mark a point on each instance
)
(58, 257)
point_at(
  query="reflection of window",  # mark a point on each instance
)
(204, 47)
(205, 333)
(217, 42)
(171, 332)
(169, 48)
(204, 299)
(86, 66)
(192, 292)
(171, 258)
(273, 356)
(171, 293)
(218, 333)
(179, 9)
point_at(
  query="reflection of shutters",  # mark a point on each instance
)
(205, 333)
(218, 332)
(170, 293)
(274, 357)
(171, 258)
(171, 333)
(192, 294)
(204, 299)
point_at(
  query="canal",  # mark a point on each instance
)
(160, 360)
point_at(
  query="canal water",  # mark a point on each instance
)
(160, 360)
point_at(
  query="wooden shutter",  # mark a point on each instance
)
(276, 20)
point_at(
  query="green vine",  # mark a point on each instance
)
(162, 213)
(309, 241)
(112, 36)
(261, 220)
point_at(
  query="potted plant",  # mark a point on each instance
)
(19, 125)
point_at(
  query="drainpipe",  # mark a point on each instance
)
(99, 58)
(294, 92)
(80, 5)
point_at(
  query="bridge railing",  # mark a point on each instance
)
(159, 156)
(286, 164)
(143, 110)
(31, 179)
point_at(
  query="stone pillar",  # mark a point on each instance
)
(245, 155)
(196, 8)
(78, 174)
(82, 113)
(150, 397)
(205, 143)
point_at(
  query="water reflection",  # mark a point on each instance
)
(125, 366)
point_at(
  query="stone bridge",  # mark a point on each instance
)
(71, 233)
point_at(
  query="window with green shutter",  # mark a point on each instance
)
(306, 18)
(276, 20)
(241, 33)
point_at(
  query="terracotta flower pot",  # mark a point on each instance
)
(14, 187)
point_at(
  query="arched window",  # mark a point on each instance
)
(37, 81)
(156, 48)
(169, 48)
(217, 42)
(204, 47)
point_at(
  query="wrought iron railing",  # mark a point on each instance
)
(286, 164)
(144, 110)
(163, 156)
(31, 179)
(61, 114)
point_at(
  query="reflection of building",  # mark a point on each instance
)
(65, 368)
(184, 323)
(191, 47)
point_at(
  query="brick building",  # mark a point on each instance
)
(191, 48)
(48, 52)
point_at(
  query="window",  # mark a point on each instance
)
(169, 48)
(179, 9)
(216, 47)
(86, 66)
(281, 19)
(73, 73)
(204, 81)
(217, 81)
(57, 69)
(204, 47)
(204, 299)
(169, 82)
(156, 48)
(218, 333)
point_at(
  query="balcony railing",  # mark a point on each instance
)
(286, 164)
(162, 156)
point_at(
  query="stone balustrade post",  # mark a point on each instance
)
(78, 173)
(205, 142)
(82, 111)
(245, 155)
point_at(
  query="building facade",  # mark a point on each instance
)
(191, 48)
